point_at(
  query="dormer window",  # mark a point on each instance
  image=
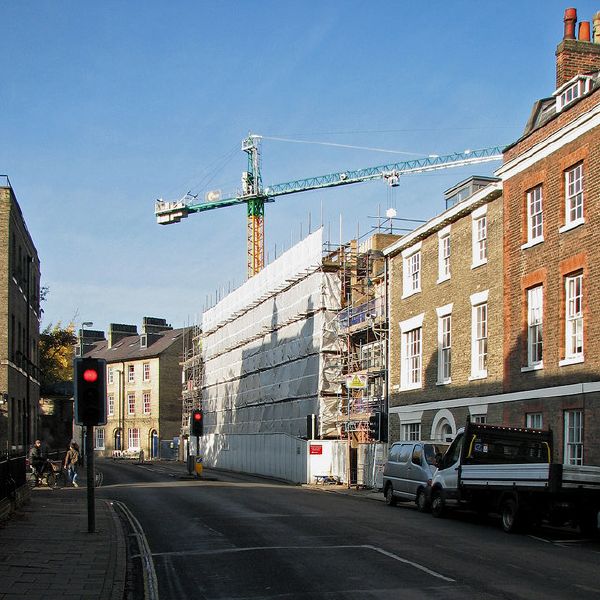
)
(143, 341)
(570, 91)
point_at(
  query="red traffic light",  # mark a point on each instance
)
(197, 416)
(90, 375)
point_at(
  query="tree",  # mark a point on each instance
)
(57, 353)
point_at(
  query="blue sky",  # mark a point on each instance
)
(106, 106)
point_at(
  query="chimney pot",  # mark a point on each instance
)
(570, 20)
(584, 31)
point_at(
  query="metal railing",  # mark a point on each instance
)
(12, 475)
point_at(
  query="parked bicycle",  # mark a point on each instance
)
(50, 474)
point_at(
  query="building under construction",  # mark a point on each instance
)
(294, 355)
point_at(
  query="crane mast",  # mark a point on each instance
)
(255, 196)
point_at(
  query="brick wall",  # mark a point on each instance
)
(464, 282)
(574, 57)
(548, 262)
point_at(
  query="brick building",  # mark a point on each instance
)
(143, 386)
(445, 296)
(551, 184)
(19, 327)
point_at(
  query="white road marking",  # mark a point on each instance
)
(270, 548)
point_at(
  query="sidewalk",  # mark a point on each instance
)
(47, 553)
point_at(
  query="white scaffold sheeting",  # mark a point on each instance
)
(278, 361)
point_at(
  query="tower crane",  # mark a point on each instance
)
(254, 195)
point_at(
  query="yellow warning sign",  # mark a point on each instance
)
(357, 381)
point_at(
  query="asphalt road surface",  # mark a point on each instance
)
(240, 537)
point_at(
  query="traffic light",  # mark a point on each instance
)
(378, 426)
(197, 422)
(374, 426)
(90, 391)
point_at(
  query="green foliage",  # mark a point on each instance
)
(57, 353)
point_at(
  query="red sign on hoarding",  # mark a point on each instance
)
(316, 449)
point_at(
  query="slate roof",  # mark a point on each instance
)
(129, 347)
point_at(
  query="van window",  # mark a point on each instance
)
(394, 453)
(417, 455)
(453, 452)
(405, 451)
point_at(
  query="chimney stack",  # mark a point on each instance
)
(577, 56)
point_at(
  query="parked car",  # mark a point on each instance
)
(407, 471)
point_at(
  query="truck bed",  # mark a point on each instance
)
(535, 475)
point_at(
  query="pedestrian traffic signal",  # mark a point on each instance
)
(90, 391)
(197, 422)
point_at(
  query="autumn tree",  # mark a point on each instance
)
(57, 353)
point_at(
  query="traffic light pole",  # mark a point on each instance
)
(89, 457)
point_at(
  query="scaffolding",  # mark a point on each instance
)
(363, 330)
(192, 373)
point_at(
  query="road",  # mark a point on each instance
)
(236, 536)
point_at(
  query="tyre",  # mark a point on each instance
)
(422, 502)
(390, 499)
(50, 479)
(511, 518)
(438, 506)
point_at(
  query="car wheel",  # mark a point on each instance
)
(438, 506)
(422, 503)
(390, 499)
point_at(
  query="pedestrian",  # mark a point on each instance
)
(72, 462)
(36, 460)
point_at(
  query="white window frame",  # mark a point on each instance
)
(110, 399)
(411, 432)
(130, 397)
(99, 439)
(535, 216)
(133, 438)
(534, 420)
(147, 402)
(411, 270)
(575, 88)
(131, 373)
(535, 318)
(111, 375)
(479, 236)
(479, 335)
(444, 253)
(411, 362)
(444, 315)
(573, 437)
(574, 325)
(146, 372)
(573, 197)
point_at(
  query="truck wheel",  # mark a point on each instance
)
(510, 516)
(438, 506)
(390, 499)
(422, 504)
(588, 524)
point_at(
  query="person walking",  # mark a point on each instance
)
(72, 462)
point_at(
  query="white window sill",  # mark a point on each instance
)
(446, 382)
(443, 278)
(536, 367)
(411, 293)
(475, 376)
(532, 243)
(478, 264)
(571, 225)
(573, 360)
(412, 386)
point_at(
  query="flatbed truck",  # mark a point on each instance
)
(510, 471)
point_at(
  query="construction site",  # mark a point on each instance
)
(289, 369)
